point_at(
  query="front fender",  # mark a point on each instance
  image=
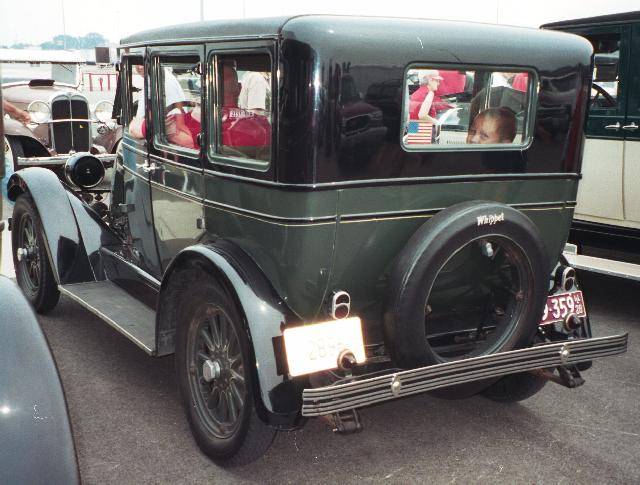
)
(14, 127)
(73, 233)
(263, 310)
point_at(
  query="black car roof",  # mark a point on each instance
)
(318, 28)
(253, 27)
(615, 18)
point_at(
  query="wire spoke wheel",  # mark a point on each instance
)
(477, 299)
(216, 368)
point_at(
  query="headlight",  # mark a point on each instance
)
(39, 111)
(103, 111)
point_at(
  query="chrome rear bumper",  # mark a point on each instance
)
(360, 393)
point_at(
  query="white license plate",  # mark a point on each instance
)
(316, 347)
(559, 307)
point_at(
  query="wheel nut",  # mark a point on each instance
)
(21, 253)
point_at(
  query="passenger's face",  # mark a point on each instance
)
(484, 131)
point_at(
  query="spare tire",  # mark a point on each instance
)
(471, 281)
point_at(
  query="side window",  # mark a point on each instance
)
(178, 115)
(456, 108)
(605, 86)
(134, 79)
(245, 107)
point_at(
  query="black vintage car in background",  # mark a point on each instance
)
(325, 242)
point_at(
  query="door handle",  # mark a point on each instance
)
(150, 167)
(613, 127)
(631, 127)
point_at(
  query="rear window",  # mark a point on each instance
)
(465, 108)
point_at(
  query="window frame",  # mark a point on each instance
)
(531, 99)
(156, 57)
(599, 118)
(127, 93)
(213, 135)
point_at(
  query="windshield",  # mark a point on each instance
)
(11, 72)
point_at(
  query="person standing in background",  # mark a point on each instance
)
(255, 93)
(421, 103)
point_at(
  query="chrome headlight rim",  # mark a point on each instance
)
(103, 111)
(42, 115)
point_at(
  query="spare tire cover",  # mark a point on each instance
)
(434, 244)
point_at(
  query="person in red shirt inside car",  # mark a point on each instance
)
(422, 102)
(244, 133)
(241, 129)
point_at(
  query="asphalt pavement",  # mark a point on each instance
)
(129, 427)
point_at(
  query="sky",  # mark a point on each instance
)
(36, 21)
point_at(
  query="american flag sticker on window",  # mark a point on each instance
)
(419, 132)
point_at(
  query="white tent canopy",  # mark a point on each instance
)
(38, 55)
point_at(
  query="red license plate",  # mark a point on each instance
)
(560, 306)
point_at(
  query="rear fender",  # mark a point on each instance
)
(263, 311)
(73, 232)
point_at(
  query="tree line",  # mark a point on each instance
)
(89, 41)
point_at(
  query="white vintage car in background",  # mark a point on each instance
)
(67, 113)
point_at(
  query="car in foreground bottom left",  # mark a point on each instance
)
(36, 434)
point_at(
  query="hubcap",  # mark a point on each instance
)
(211, 370)
(27, 255)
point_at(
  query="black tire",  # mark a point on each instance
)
(208, 308)
(449, 235)
(514, 388)
(33, 270)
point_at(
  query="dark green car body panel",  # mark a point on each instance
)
(313, 242)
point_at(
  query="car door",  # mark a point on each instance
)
(132, 195)
(600, 195)
(631, 130)
(176, 154)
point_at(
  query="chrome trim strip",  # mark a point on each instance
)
(401, 180)
(59, 159)
(108, 320)
(146, 276)
(269, 217)
(416, 213)
(69, 119)
(184, 166)
(355, 394)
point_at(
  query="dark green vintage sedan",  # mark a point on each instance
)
(320, 213)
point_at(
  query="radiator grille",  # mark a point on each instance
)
(72, 135)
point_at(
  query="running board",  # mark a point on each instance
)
(609, 267)
(359, 393)
(130, 317)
